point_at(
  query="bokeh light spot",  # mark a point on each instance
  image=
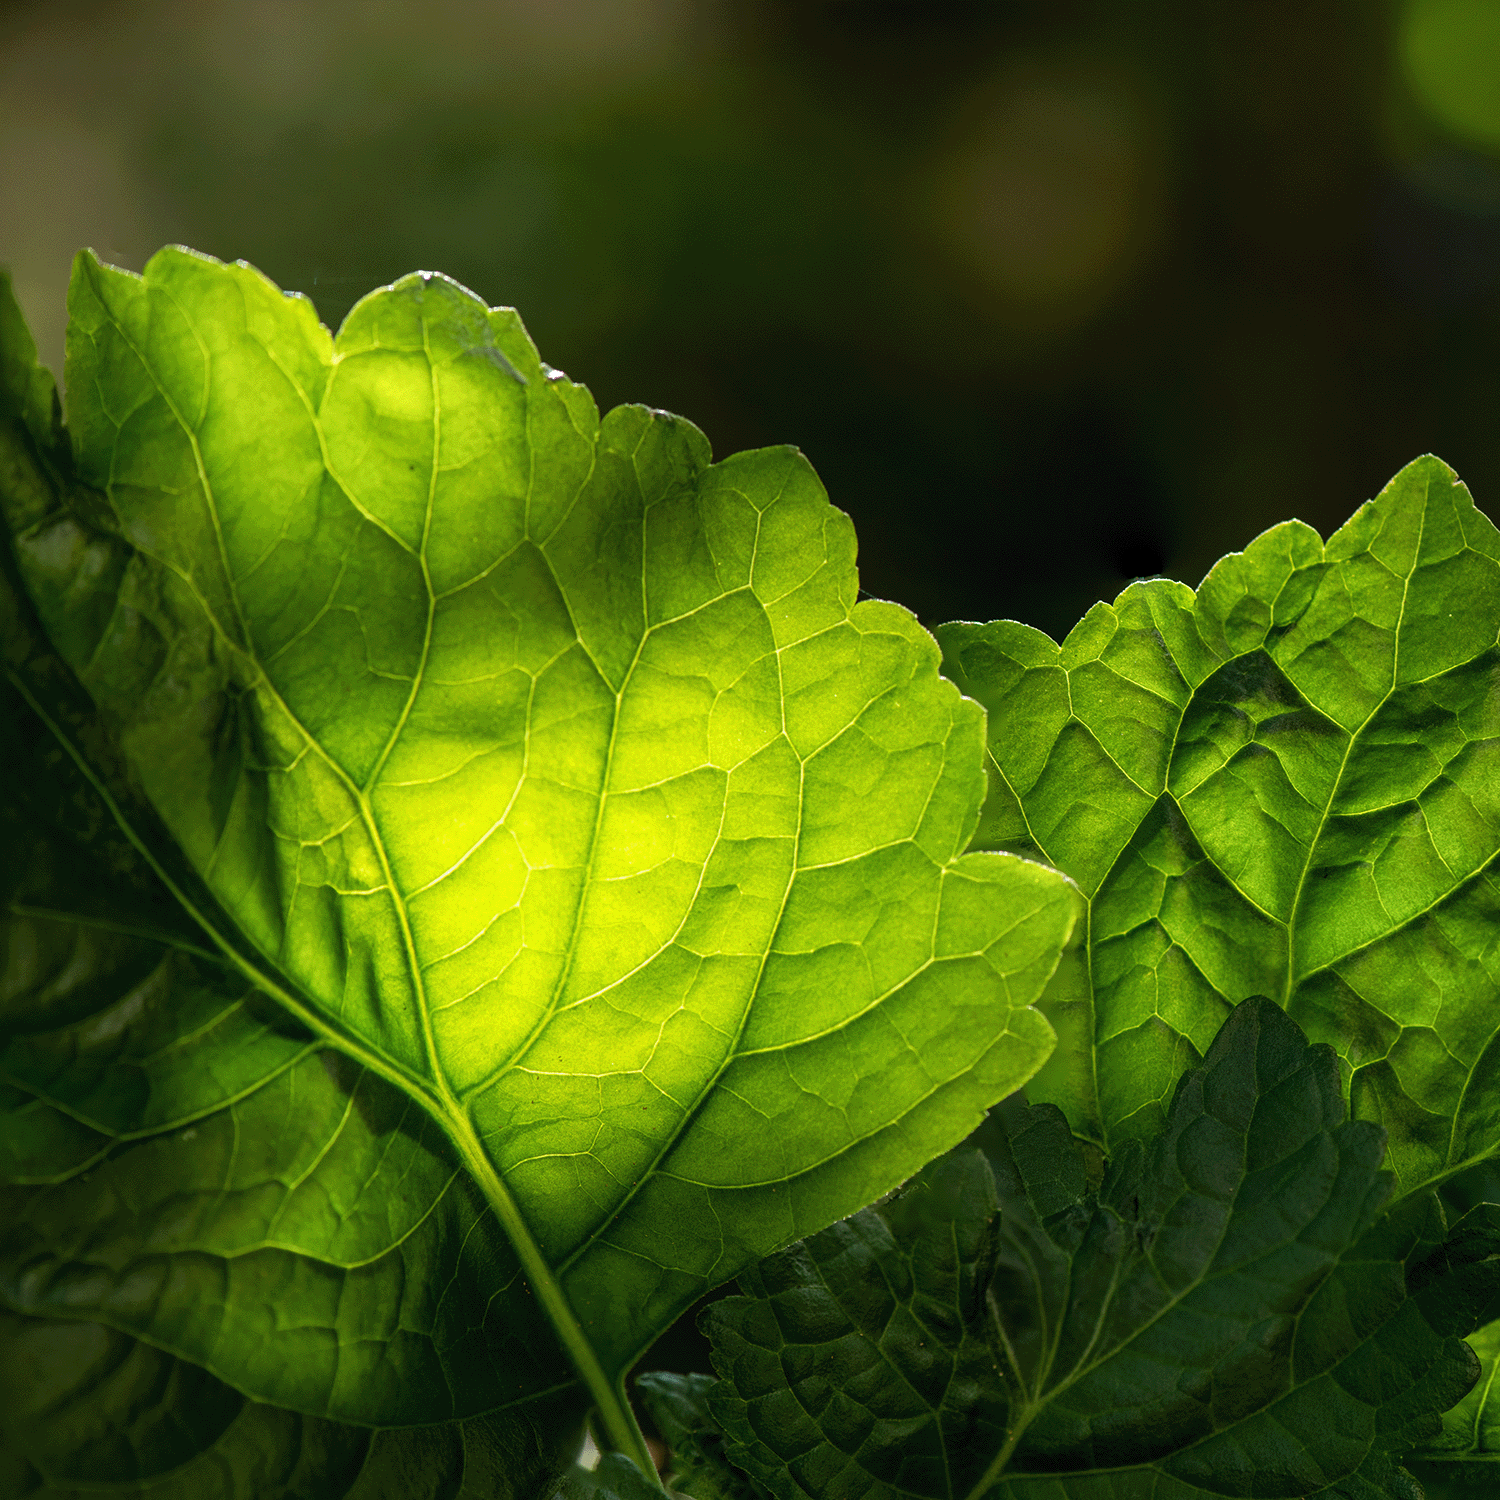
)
(1450, 52)
(1045, 192)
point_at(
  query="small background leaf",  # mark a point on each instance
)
(1288, 785)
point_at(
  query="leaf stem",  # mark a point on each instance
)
(615, 1416)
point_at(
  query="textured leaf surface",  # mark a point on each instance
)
(86, 1411)
(700, 1468)
(1286, 785)
(1216, 1317)
(550, 770)
(181, 1159)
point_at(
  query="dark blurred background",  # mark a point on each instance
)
(1053, 293)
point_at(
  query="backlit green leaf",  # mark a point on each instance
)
(549, 772)
(1286, 785)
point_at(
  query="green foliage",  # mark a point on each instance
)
(91, 1412)
(480, 879)
(701, 1468)
(1215, 1316)
(476, 878)
(1286, 785)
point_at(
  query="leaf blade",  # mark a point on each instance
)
(551, 728)
(1204, 1320)
(1312, 819)
(100, 1414)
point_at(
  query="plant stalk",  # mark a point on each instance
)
(616, 1419)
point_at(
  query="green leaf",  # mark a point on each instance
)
(614, 1478)
(700, 1468)
(1286, 785)
(86, 1411)
(547, 770)
(1217, 1316)
(1464, 1459)
(177, 1152)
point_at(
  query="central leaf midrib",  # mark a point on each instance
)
(731, 1051)
(367, 811)
(369, 1055)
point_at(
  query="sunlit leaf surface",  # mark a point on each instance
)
(550, 774)
(1286, 785)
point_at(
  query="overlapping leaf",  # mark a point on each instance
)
(177, 1155)
(87, 1413)
(1464, 1459)
(1285, 785)
(700, 1468)
(1216, 1317)
(548, 770)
